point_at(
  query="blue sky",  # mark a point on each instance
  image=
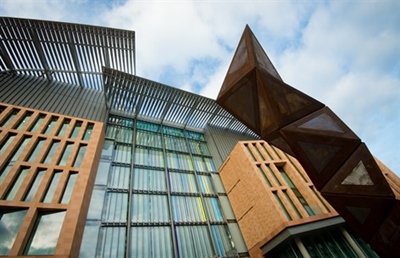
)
(344, 53)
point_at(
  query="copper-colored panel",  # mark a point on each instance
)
(320, 155)
(386, 241)
(276, 140)
(359, 175)
(324, 122)
(363, 214)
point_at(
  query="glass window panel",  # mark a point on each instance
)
(283, 208)
(9, 118)
(150, 208)
(35, 185)
(194, 135)
(292, 204)
(45, 234)
(50, 125)
(88, 131)
(64, 127)
(69, 188)
(5, 171)
(36, 125)
(80, 155)
(210, 165)
(121, 121)
(147, 126)
(113, 242)
(96, 203)
(198, 147)
(205, 183)
(221, 238)
(89, 240)
(52, 186)
(20, 148)
(119, 177)
(17, 184)
(188, 209)
(258, 151)
(111, 131)
(65, 154)
(124, 134)
(151, 180)
(150, 139)
(249, 152)
(117, 207)
(152, 242)
(10, 223)
(173, 131)
(213, 209)
(182, 182)
(9, 138)
(179, 161)
(193, 241)
(50, 154)
(199, 164)
(102, 172)
(264, 176)
(149, 157)
(175, 143)
(38, 147)
(107, 149)
(24, 120)
(123, 153)
(77, 128)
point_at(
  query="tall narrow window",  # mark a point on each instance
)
(264, 176)
(113, 242)
(266, 151)
(48, 226)
(88, 131)
(258, 151)
(37, 123)
(64, 127)
(38, 147)
(77, 128)
(51, 152)
(273, 175)
(292, 204)
(50, 125)
(10, 223)
(69, 188)
(79, 156)
(9, 138)
(283, 208)
(4, 171)
(35, 185)
(24, 120)
(250, 152)
(65, 154)
(53, 186)
(17, 184)
(296, 191)
(9, 118)
(20, 148)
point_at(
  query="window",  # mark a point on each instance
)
(258, 151)
(123, 153)
(149, 179)
(193, 241)
(9, 118)
(124, 134)
(250, 152)
(222, 239)
(64, 127)
(38, 147)
(264, 176)
(179, 161)
(149, 157)
(23, 121)
(9, 138)
(77, 128)
(102, 172)
(10, 223)
(89, 240)
(205, 184)
(188, 209)
(155, 241)
(96, 203)
(292, 204)
(117, 207)
(175, 143)
(150, 139)
(17, 183)
(65, 154)
(4, 171)
(51, 152)
(45, 233)
(20, 148)
(35, 185)
(80, 155)
(88, 131)
(150, 208)
(36, 125)
(214, 212)
(69, 188)
(283, 208)
(119, 177)
(50, 125)
(182, 182)
(53, 186)
(113, 242)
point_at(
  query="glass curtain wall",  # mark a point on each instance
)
(154, 195)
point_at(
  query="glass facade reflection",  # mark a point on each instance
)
(154, 195)
(10, 222)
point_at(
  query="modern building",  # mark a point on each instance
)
(279, 210)
(98, 162)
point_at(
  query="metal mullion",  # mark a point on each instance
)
(13, 46)
(174, 240)
(125, 52)
(26, 45)
(91, 62)
(62, 50)
(120, 52)
(4, 53)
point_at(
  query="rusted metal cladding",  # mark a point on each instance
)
(334, 157)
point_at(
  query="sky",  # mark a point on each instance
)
(346, 54)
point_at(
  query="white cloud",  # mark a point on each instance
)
(344, 53)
